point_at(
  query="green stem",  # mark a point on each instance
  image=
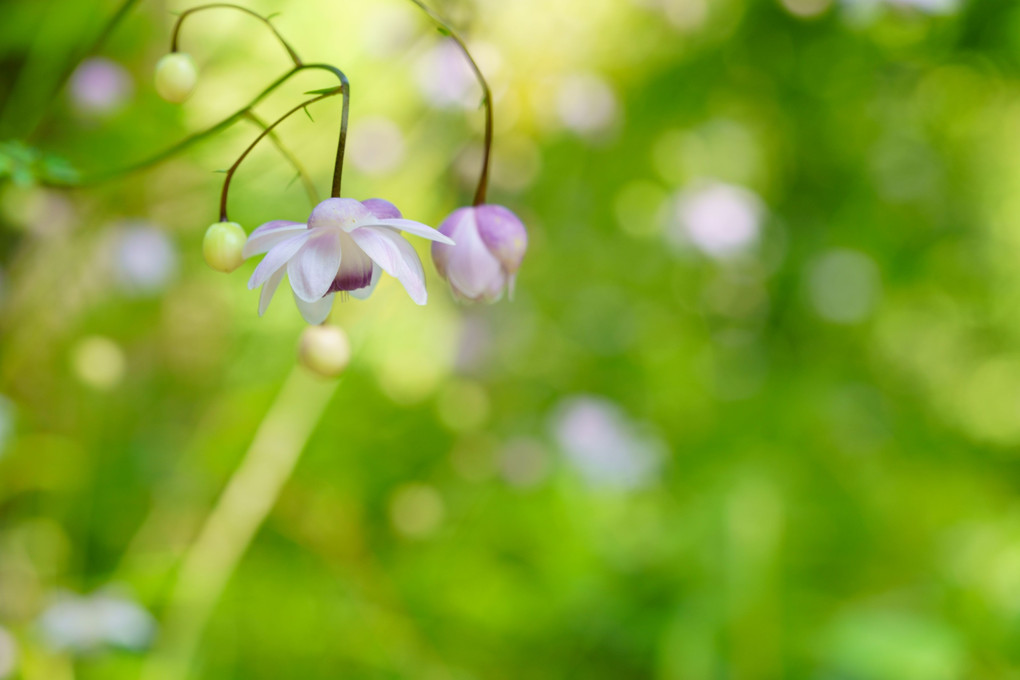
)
(306, 180)
(227, 5)
(266, 132)
(191, 140)
(243, 506)
(446, 28)
(104, 34)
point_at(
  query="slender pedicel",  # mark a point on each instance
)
(446, 28)
(227, 5)
(268, 130)
(190, 141)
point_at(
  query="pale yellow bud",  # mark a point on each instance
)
(176, 77)
(324, 350)
(222, 246)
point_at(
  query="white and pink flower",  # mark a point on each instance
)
(491, 241)
(342, 249)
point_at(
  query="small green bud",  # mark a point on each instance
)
(324, 350)
(222, 246)
(176, 77)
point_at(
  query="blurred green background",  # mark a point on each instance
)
(753, 413)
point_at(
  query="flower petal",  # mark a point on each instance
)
(268, 288)
(460, 218)
(372, 241)
(470, 267)
(363, 293)
(315, 312)
(276, 258)
(268, 235)
(412, 227)
(355, 270)
(503, 234)
(313, 268)
(396, 257)
(382, 209)
(339, 213)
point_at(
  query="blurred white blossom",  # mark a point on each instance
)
(604, 445)
(720, 220)
(446, 80)
(587, 103)
(144, 258)
(88, 623)
(100, 86)
(444, 76)
(376, 146)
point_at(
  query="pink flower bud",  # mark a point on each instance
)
(490, 244)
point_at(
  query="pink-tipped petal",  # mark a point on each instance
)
(382, 209)
(396, 257)
(373, 242)
(364, 293)
(312, 269)
(268, 288)
(339, 213)
(416, 228)
(409, 270)
(276, 258)
(315, 312)
(268, 235)
(503, 234)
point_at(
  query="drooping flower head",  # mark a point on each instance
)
(342, 249)
(490, 244)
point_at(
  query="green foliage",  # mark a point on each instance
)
(829, 409)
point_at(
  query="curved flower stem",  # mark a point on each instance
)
(227, 5)
(345, 90)
(191, 140)
(265, 133)
(246, 501)
(306, 180)
(447, 29)
(185, 143)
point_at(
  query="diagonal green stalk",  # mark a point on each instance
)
(224, 124)
(104, 34)
(246, 501)
(447, 29)
(306, 179)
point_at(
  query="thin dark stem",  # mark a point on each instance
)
(227, 5)
(266, 132)
(338, 166)
(190, 141)
(483, 178)
(306, 180)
